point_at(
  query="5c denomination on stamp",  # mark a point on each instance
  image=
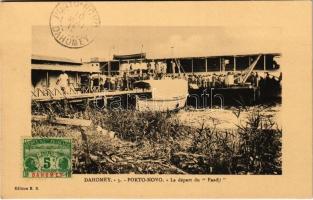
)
(74, 24)
(47, 157)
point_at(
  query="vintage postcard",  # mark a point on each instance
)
(156, 99)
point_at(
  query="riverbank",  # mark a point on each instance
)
(163, 143)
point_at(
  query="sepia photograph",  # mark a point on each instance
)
(160, 100)
(155, 99)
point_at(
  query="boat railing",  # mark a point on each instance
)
(57, 92)
(52, 92)
(94, 89)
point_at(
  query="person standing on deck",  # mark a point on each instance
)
(214, 80)
(102, 82)
(90, 78)
(230, 79)
(112, 83)
(163, 68)
(205, 81)
(157, 68)
(251, 79)
(209, 80)
(63, 82)
(125, 81)
(256, 79)
(173, 67)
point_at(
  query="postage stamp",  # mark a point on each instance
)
(47, 157)
(74, 24)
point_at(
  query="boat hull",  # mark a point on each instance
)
(167, 94)
(161, 104)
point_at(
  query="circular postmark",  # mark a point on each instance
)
(74, 24)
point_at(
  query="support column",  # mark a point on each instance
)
(264, 62)
(220, 64)
(47, 79)
(235, 64)
(206, 64)
(109, 68)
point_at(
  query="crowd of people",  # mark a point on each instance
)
(230, 79)
(195, 81)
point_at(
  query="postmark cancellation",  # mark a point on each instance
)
(74, 24)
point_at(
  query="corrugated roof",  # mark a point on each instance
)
(214, 56)
(71, 68)
(54, 59)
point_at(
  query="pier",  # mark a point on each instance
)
(78, 97)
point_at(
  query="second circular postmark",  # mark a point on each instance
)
(74, 24)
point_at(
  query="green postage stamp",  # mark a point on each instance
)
(47, 157)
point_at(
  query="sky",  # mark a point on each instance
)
(160, 42)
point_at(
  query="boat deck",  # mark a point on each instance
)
(78, 97)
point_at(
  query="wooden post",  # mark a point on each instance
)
(109, 67)
(235, 64)
(206, 64)
(223, 65)
(264, 62)
(220, 64)
(62, 121)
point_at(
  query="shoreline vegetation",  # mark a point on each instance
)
(128, 141)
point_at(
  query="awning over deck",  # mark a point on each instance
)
(68, 68)
(129, 56)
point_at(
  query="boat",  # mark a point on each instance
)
(166, 95)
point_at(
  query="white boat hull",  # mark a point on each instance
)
(161, 104)
(167, 94)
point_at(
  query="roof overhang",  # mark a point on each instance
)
(68, 68)
(54, 59)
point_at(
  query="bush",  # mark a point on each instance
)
(156, 142)
(254, 148)
(134, 126)
(260, 145)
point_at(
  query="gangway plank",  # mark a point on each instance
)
(93, 95)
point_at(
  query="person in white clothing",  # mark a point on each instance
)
(63, 82)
